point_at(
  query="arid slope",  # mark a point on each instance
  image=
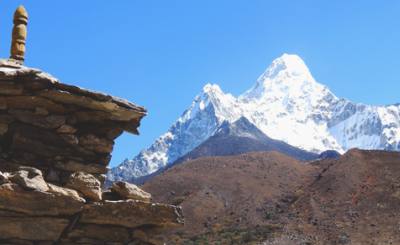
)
(266, 195)
(240, 192)
(355, 200)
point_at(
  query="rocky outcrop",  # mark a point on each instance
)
(55, 144)
(58, 128)
(87, 184)
(129, 191)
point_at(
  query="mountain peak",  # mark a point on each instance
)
(287, 75)
(289, 62)
(213, 100)
(287, 65)
(241, 127)
(210, 88)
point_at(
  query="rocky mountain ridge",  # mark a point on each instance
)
(237, 138)
(240, 137)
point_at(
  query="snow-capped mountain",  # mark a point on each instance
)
(286, 104)
(240, 137)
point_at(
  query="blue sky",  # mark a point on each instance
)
(159, 54)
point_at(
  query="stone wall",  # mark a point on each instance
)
(59, 128)
(55, 144)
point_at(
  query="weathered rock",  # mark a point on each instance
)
(6, 119)
(149, 234)
(31, 170)
(130, 191)
(110, 196)
(91, 116)
(17, 242)
(3, 105)
(53, 176)
(140, 213)
(3, 178)
(139, 234)
(67, 133)
(116, 112)
(62, 191)
(70, 139)
(19, 33)
(9, 88)
(32, 228)
(32, 102)
(29, 117)
(73, 166)
(100, 232)
(101, 177)
(44, 243)
(48, 145)
(6, 213)
(86, 184)
(29, 178)
(96, 144)
(56, 120)
(3, 128)
(114, 133)
(66, 129)
(41, 111)
(36, 203)
(87, 241)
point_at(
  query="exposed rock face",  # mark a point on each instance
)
(55, 144)
(241, 137)
(130, 191)
(58, 128)
(3, 178)
(87, 184)
(29, 178)
(140, 214)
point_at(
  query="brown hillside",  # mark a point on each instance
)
(355, 200)
(219, 193)
(242, 199)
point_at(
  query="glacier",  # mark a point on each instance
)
(286, 103)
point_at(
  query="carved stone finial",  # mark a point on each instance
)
(19, 35)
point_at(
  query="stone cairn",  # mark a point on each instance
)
(19, 35)
(55, 144)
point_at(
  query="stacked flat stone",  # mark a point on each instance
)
(58, 128)
(55, 144)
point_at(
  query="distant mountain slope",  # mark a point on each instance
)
(287, 104)
(231, 191)
(354, 200)
(265, 195)
(237, 138)
(240, 137)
